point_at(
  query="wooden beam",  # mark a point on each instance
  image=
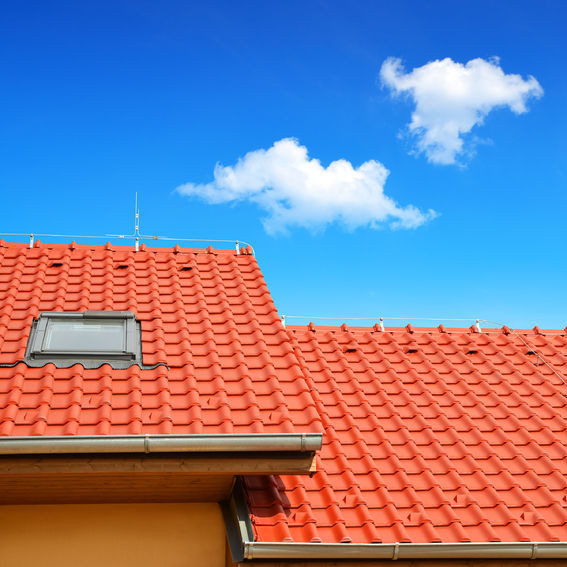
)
(102, 488)
(182, 477)
(225, 463)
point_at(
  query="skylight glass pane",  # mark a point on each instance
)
(85, 335)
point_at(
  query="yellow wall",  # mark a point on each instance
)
(109, 535)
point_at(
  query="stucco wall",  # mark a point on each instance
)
(121, 535)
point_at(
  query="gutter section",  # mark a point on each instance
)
(338, 551)
(216, 443)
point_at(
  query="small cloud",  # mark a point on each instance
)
(451, 98)
(296, 190)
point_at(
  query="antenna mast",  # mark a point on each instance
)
(136, 236)
(137, 222)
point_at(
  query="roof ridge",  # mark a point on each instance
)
(176, 248)
(472, 330)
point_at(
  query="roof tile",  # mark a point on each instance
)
(443, 444)
(215, 326)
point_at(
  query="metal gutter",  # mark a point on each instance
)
(338, 551)
(206, 443)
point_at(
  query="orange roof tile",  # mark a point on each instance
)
(431, 435)
(206, 313)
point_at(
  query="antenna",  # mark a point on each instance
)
(137, 222)
(136, 236)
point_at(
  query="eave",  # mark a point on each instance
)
(144, 468)
(245, 549)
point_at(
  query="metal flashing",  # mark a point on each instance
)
(127, 353)
(237, 521)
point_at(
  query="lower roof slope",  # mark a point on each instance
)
(206, 314)
(431, 435)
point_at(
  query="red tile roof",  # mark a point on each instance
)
(206, 313)
(431, 435)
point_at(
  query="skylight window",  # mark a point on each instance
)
(84, 336)
(91, 338)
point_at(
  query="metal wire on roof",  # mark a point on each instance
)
(135, 237)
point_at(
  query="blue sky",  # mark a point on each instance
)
(103, 99)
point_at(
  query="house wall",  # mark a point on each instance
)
(113, 535)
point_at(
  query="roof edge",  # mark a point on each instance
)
(394, 551)
(194, 443)
(239, 247)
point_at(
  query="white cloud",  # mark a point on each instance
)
(451, 98)
(296, 190)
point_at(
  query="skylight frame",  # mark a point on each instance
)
(130, 352)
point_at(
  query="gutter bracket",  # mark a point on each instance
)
(396, 551)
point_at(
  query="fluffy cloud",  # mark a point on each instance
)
(296, 190)
(451, 98)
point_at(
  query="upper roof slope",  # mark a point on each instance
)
(431, 435)
(207, 314)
